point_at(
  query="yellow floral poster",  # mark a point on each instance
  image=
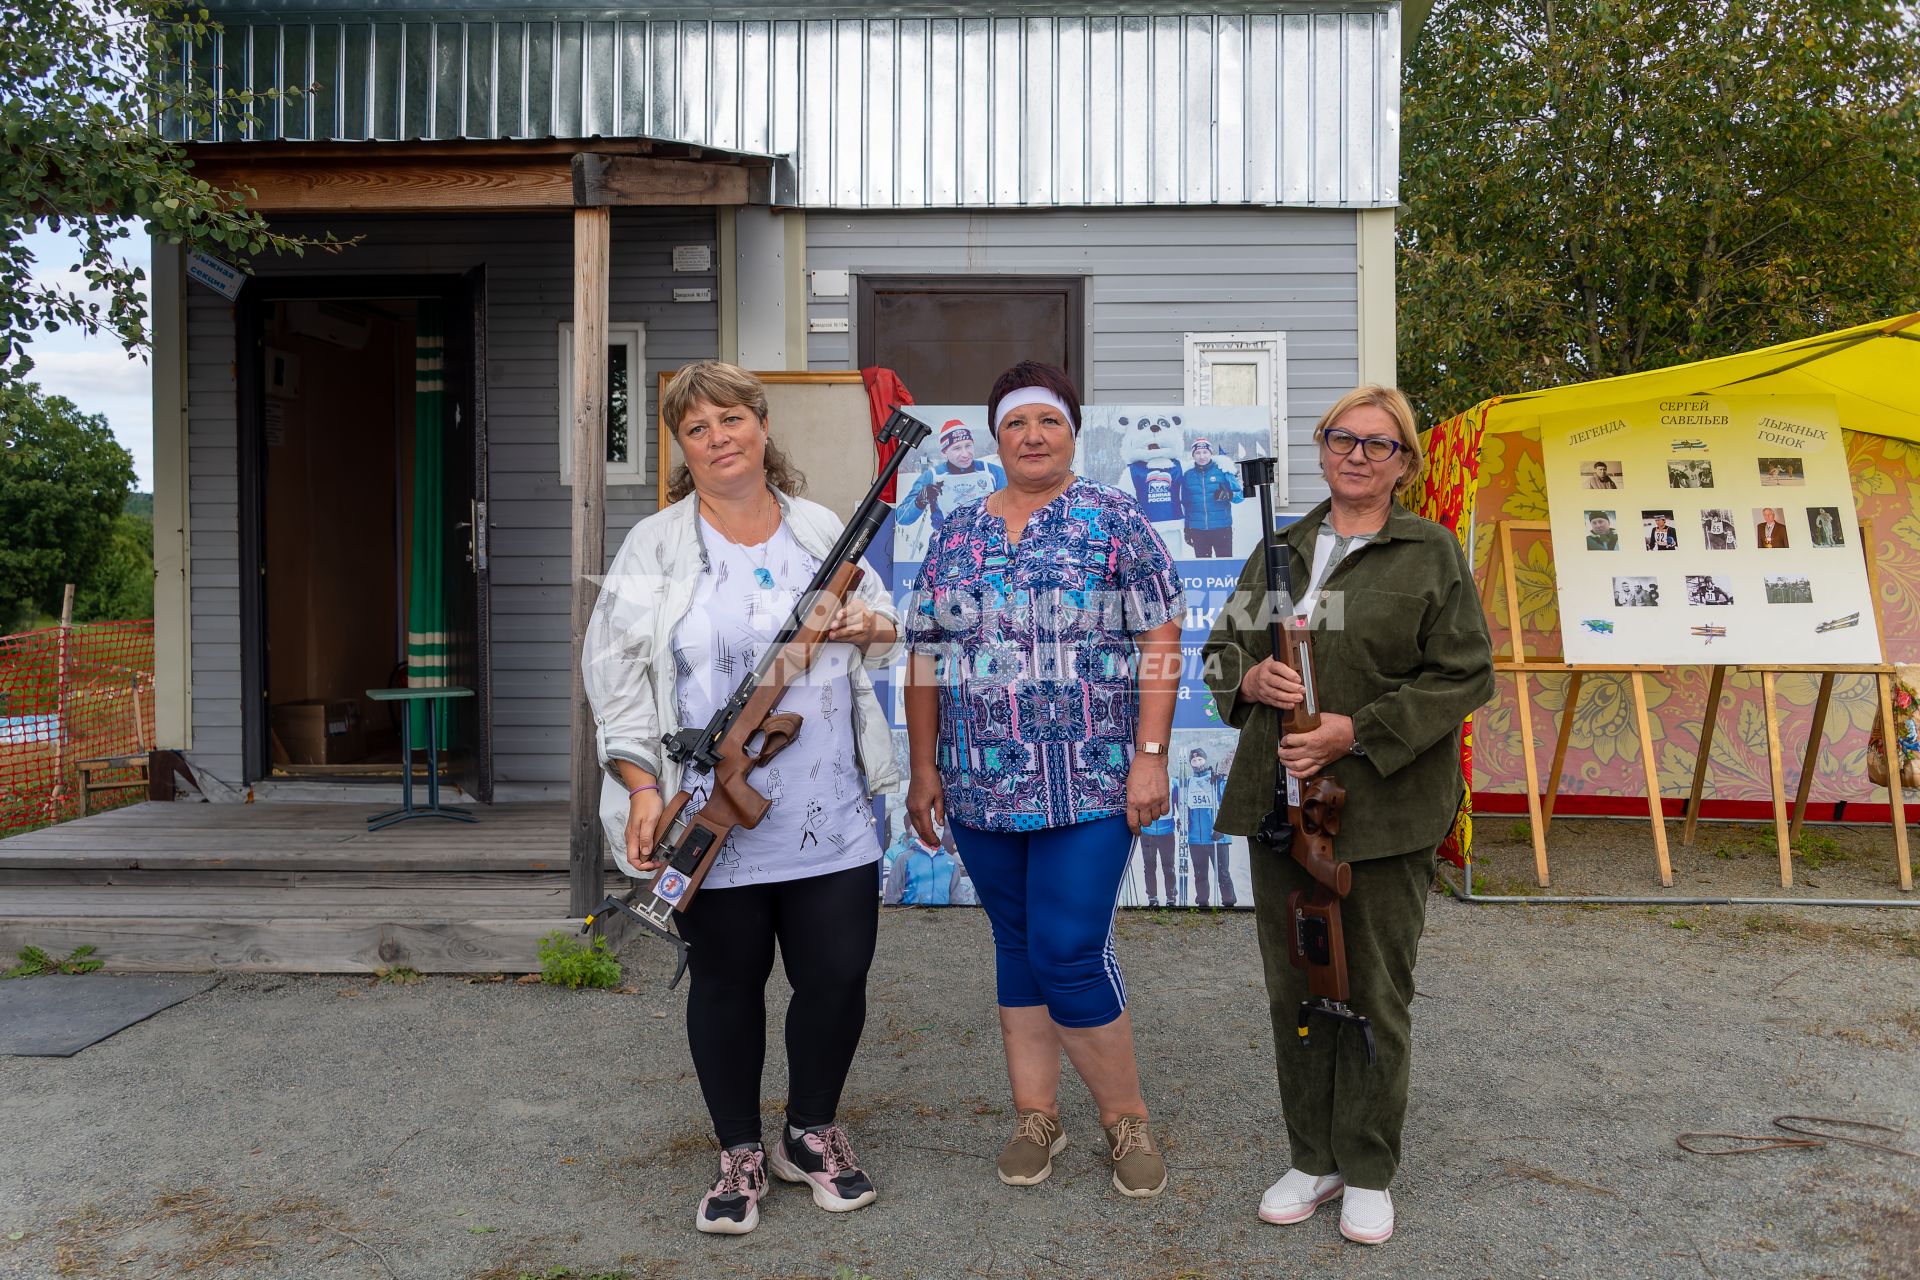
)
(1603, 757)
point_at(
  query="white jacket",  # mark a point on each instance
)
(627, 660)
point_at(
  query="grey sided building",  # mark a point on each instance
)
(933, 188)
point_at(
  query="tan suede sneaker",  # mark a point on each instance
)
(1138, 1170)
(1028, 1156)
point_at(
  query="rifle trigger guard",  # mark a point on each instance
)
(777, 732)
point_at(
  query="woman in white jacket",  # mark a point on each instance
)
(695, 596)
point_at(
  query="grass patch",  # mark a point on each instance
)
(200, 1229)
(1785, 924)
(1816, 850)
(566, 961)
(35, 963)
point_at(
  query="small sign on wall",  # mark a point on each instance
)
(692, 257)
(223, 278)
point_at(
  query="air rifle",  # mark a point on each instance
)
(747, 731)
(1304, 820)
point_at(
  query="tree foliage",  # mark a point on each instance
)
(118, 585)
(63, 488)
(83, 85)
(1598, 187)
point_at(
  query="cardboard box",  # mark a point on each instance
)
(320, 732)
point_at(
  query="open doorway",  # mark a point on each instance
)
(338, 469)
(363, 474)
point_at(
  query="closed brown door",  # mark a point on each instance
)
(949, 337)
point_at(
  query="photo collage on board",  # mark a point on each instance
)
(1704, 529)
(1180, 465)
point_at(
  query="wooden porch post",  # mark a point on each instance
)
(589, 551)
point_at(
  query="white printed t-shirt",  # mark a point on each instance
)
(819, 820)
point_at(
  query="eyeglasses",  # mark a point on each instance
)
(1376, 448)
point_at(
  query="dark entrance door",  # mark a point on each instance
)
(949, 337)
(327, 470)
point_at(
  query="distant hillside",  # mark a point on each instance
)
(140, 505)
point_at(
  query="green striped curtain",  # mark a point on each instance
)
(427, 640)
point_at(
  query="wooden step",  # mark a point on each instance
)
(285, 878)
(317, 902)
(294, 837)
(337, 944)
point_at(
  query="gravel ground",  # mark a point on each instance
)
(330, 1127)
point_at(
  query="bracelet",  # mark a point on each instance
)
(645, 786)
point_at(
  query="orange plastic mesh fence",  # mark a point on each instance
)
(69, 695)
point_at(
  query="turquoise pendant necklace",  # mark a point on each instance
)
(762, 575)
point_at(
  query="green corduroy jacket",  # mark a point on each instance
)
(1411, 660)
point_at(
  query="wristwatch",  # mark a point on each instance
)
(1152, 748)
(1356, 749)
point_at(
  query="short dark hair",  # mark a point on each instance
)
(1031, 373)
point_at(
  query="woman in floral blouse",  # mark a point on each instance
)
(1045, 631)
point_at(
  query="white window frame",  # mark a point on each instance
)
(1269, 353)
(637, 469)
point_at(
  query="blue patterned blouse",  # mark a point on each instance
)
(1034, 648)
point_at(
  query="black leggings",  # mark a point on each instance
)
(826, 927)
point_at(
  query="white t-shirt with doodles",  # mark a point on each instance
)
(819, 820)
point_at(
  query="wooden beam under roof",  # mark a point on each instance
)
(454, 178)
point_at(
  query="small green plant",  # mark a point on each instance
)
(845, 1272)
(1681, 922)
(1817, 850)
(35, 963)
(565, 961)
(568, 1273)
(401, 976)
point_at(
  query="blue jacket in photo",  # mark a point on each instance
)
(1208, 494)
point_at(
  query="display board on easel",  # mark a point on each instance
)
(1525, 667)
(1711, 529)
(823, 424)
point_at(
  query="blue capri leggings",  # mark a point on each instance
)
(1050, 895)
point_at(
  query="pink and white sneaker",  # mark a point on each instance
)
(823, 1159)
(731, 1206)
(1366, 1217)
(1297, 1195)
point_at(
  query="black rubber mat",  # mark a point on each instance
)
(59, 1015)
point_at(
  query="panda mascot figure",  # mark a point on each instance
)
(1151, 447)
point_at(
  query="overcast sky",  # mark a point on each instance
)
(95, 373)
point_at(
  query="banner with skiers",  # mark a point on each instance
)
(1181, 465)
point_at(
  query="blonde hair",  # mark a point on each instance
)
(724, 385)
(1395, 405)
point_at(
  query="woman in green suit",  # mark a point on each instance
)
(1401, 657)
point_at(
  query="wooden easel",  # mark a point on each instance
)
(1523, 669)
(1787, 830)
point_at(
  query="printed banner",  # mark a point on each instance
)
(1709, 530)
(1181, 465)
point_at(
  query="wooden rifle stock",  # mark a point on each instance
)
(1316, 942)
(1291, 642)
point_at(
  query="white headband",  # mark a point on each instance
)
(1031, 395)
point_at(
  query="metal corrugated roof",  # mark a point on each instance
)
(1294, 105)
